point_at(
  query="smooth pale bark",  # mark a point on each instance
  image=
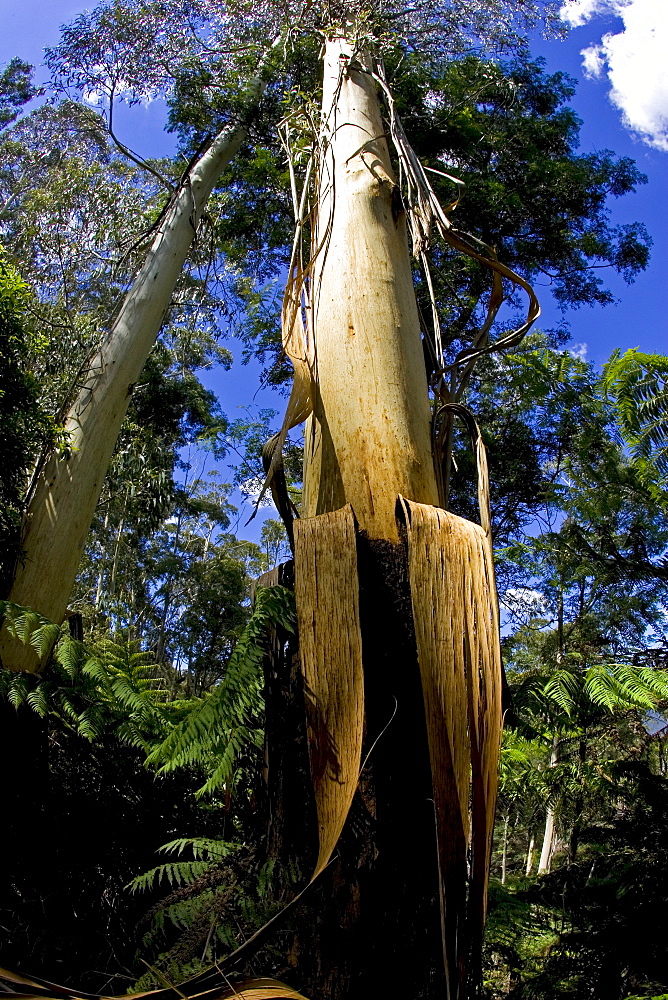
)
(369, 437)
(63, 502)
(367, 442)
(548, 840)
(529, 864)
(504, 850)
(548, 836)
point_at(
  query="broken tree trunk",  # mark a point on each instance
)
(396, 607)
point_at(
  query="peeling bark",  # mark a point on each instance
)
(369, 438)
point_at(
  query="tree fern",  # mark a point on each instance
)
(90, 687)
(216, 900)
(613, 686)
(217, 728)
(638, 384)
(206, 853)
(201, 847)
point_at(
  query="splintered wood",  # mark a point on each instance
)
(327, 598)
(457, 634)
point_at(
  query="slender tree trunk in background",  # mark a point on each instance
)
(548, 836)
(116, 558)
(372, 927)
(574, 840)
(161, 644)
(68, 486)
(529, 864)
(548, 842)
(504, 851)
(100, 575)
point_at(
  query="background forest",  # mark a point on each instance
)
(137, 832)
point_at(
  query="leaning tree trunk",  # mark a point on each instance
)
(68, 487)
(402, 710)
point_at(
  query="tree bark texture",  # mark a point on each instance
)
(548, 836)
(370, 924)
(391, 912)
(369, 437)
(68, 486)
(368, 441)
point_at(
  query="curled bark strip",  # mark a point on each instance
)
(425, 213)
(330, 643)
(248, 989)
(441, 454)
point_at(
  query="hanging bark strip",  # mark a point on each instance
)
(330, 642)
(453, 598)
(455, 613)
(247, 989)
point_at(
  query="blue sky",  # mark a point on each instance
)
(622, 100)
(639, 319)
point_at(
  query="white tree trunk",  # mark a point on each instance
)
(548, 841)
(548, 836)
(529, 864)
(68, 488)
(504, 851)
(369, 437)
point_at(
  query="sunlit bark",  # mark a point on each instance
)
(369, 438)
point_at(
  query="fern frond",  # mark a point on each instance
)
(202, 847)
(38, 700)
(623, 686)
(638, 383)
(18, 688)
(562, 688)
(175, 873)
(219, 727)
(45, 637)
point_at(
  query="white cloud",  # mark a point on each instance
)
(93, 98)
(577, 12)
(524, 600)
(579, 351)
(634, 60)
(593, 61)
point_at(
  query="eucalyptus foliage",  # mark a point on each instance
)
(25, 426)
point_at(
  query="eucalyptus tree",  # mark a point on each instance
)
(353, 332)
(63, 500)
(72, 213)
(136, 52)
(16, 90)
